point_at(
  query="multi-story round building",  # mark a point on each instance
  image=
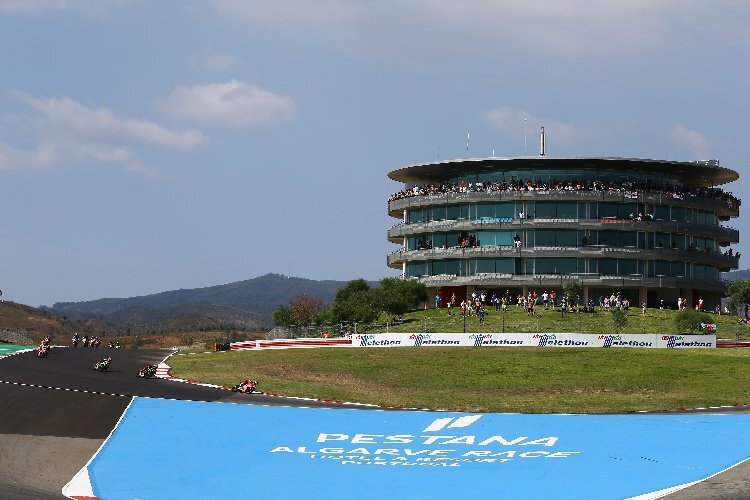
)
(648, 229)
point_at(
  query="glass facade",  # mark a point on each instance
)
(574, 266)
(569, 210)
(565, 238)
(569, 174)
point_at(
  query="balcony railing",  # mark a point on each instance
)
(723, 233)
(720, 260)
(550, 280)
(703, 202)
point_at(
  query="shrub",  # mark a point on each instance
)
(689, 320)
(619, 318)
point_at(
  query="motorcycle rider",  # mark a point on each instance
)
(85, 340)
(247, 386)
(148, 370)
(44, 347)
(103, 364)
(95, 342)
(76, 339)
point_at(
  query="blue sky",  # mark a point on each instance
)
(150, 146)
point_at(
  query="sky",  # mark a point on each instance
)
(155, 145)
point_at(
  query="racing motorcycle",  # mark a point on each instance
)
(147, 371)
(76, 338)
(43, 350)
(246, 387)
(102, 365)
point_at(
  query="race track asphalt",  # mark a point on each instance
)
(56, 412)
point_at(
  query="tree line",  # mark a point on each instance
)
(357, 302)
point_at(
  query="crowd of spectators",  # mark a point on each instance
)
(631, 189)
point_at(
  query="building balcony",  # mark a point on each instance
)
(721, 207)
(721, 261)
(557, 280)
(724, 235)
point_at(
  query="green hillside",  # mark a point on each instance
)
(550, 321)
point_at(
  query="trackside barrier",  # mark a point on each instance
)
(290, 344)
(644, 340)
(532, 340)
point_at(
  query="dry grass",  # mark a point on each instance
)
(538, 380)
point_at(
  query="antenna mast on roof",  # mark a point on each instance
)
(542, 143)
(524, 135)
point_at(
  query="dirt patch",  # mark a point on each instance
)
(299, 374)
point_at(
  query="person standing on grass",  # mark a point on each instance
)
(437, 301)
(481, 315)
(644, 308)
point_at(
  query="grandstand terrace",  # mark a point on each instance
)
(651, 230)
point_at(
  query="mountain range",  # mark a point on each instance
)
(247, 305)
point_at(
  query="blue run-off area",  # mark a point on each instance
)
(187, 449)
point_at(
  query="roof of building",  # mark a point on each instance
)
(706, 173)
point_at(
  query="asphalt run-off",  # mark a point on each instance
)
(187, 449)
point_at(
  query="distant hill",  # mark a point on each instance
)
(743, 274)
(247, 304)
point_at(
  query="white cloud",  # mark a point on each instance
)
(231, 103)
(567, 27)
(691, 140)
(66, 130)
(210, 60)
(600, 139)
(92, 7)
(514, 122)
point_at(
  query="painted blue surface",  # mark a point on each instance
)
(185, 449)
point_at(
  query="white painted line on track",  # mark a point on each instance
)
(24, 384)
(80, 486)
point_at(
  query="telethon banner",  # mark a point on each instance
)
(532, 340)
(643, 340)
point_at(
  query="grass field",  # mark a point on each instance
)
(548, 320)
(525, 380)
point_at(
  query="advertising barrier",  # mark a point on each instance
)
(290, 343)
(643, 340)
(531, 340)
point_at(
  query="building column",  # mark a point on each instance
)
(585, 295)
(643, 296)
